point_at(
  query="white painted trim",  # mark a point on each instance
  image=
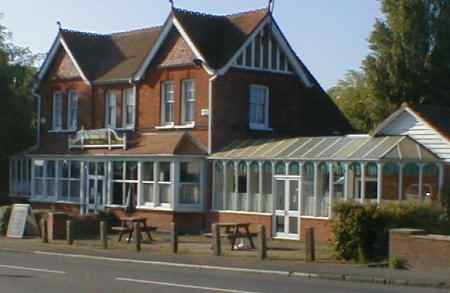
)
(240, 212)
(66, 47)
(49, 59)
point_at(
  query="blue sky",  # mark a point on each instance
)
(330, 36)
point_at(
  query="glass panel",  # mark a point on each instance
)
(189, 194)
(411, 182)
(338, 180)
(99, 195)
(117, 194)
(131, 194)
(147, 194)
(430, 182)
(323, 190)
(63, 190)
(354, 181)
(117, 170)
(131, 171)
(218, 186)
(75, 169)
(51, 187)
(371, 181)
(390, 181)
(64, 169)
(281, 194)
(280, 168)
(293, 225)
(294, 169)
(279, 224)
(51, 169)
(308, 189)
(164, 193)
(293, 195)
(101, 169)
(75, 191)
(147, 174)
(164, 172)
(242, 178)
(92, 191)
(190, 172)
(92, 170)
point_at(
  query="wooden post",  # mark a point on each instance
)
(216, 240)
(104, 234)
(44, 232)
(173, 237)
(137, 235)
(310, 245)
(69, 232)
(262, 243)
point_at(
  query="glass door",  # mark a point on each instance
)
(96, 185)
(286, 220)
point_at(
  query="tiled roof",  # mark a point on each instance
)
(119, 56)
(173, 143)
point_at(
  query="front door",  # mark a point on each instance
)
(286, 220)
(96, 185)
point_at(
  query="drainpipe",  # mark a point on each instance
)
(38, 130)
(210, 114)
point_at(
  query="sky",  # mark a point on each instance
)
(330, 36)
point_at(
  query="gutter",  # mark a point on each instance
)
(210, 114)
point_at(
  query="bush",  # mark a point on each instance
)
(361, 230)
(5, 212)
(397, 263)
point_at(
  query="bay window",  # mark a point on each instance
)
(168, 103)
(39, 177)
(125, 180)
(190, 183)
(189, 98)
(164, 183)
(72, 120)
(58, 103)
(259, 107)
(69, 175)
(111, 109)
(148, 184)
(129, 108)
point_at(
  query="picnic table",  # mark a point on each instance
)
(127, 226)
(235, 231)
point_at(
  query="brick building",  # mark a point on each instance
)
(204, 119)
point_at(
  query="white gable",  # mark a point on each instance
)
(406, 123)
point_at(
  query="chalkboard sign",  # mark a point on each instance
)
(18, 220)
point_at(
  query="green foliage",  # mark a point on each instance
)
(409, 62)
(5, 212)
(397, 263)
(361, 231)
(17, 109)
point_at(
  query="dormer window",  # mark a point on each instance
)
(72, 120)
(168, 103)
(111, 109)
(58, 110)
(259, 107)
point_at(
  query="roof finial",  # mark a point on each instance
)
(271, 5)
(171, 4)
(59, 25)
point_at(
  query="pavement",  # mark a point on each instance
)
(321, 276)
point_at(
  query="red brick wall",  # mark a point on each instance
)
(322, 229)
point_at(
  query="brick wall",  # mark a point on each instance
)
(322, 229)
(422, 252)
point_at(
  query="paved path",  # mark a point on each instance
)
(26, 272)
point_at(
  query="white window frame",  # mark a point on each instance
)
(109, 94)
(169, 183)
(57, 112)
(69, 180)
(147, 182)
(124, 181)
(186, 100)
(73, 102)
(129, 93)
(255, 125)
(164, 102)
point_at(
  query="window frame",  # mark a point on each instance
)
(125, 117)
(185, 101)
(58, 94)
(198, 184)
(108, 123)
(255, 125)
(72, 125)
(124, 181)
(164, 121)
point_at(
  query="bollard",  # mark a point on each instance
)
(262, 242)
(310, 245)
(174, 238)
(44, 232)
(137, 235)
(69, 232)
(216, 240)
(104, 234)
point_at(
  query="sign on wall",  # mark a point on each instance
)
(21, 222)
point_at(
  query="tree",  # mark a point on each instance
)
(17, 104)
(410, 53)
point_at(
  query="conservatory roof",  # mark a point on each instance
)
(330, 148)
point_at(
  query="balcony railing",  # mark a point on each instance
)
(97, 138)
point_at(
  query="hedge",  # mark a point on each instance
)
(361, 230)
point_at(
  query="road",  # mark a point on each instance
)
(26, 272)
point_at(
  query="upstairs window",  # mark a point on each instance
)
(259, 107)
(111, 109)
(129, 117)
(189, 98)
(168, 103)
(58, 110)
(72, 121)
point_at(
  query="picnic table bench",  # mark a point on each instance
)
(235, 231)
(127, 226)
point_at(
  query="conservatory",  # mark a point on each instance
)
(301, 177)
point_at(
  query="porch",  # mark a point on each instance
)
(298, 179)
